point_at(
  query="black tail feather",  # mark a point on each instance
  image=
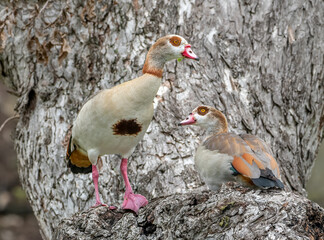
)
(267, 183)
(74, 168)
(267, 180)
(68, 150)
(280, 184)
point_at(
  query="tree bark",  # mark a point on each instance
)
(261, 64)
(233, 213)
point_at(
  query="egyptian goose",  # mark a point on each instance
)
(115, 120)
(225, 156)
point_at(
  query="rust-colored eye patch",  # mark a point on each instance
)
(202, 110)
(175, 41)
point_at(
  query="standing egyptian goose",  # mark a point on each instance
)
(116, 119)
(225, 156)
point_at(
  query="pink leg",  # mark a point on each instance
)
(131, 201)
(95, 177)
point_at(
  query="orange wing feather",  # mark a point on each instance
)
(273, 164)
(77, 160)
(264, 153)
(252, 158)
(241, 166)
(244, 160)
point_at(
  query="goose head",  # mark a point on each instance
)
(166, 49)
(208, 118)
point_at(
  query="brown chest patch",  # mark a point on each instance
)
(127, 127)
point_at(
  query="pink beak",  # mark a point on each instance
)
(188, 53)
(189, 120)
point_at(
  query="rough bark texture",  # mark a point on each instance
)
(261, 64)
(233, 213)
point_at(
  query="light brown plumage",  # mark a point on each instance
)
(116, 119)
(225, 156)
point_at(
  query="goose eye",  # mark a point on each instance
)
(175, 41)
(202, 111)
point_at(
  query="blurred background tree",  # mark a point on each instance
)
(17, 221)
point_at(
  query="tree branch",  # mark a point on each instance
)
(8, 120)
(232, 213)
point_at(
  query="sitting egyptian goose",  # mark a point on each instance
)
(115, 120)
(225, 156)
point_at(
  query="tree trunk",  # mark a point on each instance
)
(261, 64)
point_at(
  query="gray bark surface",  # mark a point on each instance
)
(233, 213)
(261, 64)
